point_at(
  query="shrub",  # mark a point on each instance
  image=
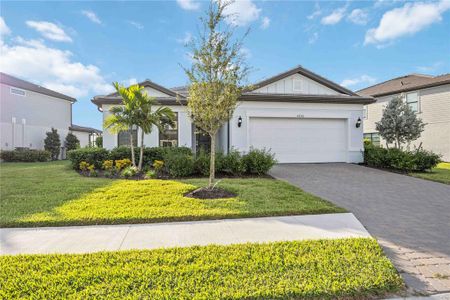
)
(202, 162)
(122, 152)
(94, 156)
(179, 164)
(150, 153)
(129, 171)
(52, 143)
(84, 166)
(258, 161)
(25, 155)
(232, 163)
(150, 174)
(122, 163)
(108, 165)
(426, 160)
(72, 142)
(99, 141)
(405, 161)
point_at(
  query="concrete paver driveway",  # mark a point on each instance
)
(409, 216)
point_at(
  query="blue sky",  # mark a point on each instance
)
(79, 48)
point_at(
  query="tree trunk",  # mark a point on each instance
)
(141, 154)
(133, 160)
(212, 163)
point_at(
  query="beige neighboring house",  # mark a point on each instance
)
(28, 111)
(428, 96)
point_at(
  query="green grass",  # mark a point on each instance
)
(440, 174)
(51, 194)
(325, 269)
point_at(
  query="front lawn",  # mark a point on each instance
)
(440, 174)
(325, 269)
(51, 194)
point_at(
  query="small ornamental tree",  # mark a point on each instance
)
(72, 142)
(399, 123)
(216, 76)
(99, 142)
(52, 143)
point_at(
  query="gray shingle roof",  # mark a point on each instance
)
(26, 85)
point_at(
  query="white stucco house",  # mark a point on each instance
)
(299, 115)
(428, 96)
(28, 111)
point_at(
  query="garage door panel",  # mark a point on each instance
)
(301, 140)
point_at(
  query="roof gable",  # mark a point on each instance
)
(149, 86)
(310, 77)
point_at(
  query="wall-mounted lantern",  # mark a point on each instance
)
(239, 121)
(358, 123)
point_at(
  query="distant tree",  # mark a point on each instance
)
(99, 141)
(72, 142)
(216, 75)
(52, 143)
(399, 123)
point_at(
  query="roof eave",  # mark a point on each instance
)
(420, 87)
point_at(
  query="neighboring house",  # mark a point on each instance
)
(28, 111)
(299, 115)
(86, 135)
(429, 96)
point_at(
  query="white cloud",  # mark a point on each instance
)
(91, 16)
(52, 68)
(4, 29)
(317, 12)
(313, 38)
(50, 31)
(363, 79)
(136, 24)
(186, 39)
(265, 22)
(406, 20)
(189, 4)
(335, 16)
(242, 12)
(358, 16)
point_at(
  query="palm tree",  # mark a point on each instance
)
(124, 117)
(147, 118)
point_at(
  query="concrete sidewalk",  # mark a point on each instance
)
(85, 239)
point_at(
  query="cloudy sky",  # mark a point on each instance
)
(79, 48)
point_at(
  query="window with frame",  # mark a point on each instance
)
(413, 101)
(17, 91)
(169, 136)
(123, 138)
(374, 137)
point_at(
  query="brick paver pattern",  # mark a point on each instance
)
(410, 217)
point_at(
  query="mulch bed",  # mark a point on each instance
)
(205, 193)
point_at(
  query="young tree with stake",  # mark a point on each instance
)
(216, 75)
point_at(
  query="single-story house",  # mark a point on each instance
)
(29, 110)
(428, 96)
(86, 135)
(299, 115)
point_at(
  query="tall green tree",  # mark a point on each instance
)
(216, 75)
(399, 123)
(52, 143)
(147, 117)
(72, 142)
(124, 117)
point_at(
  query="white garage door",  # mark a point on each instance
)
(301, 140)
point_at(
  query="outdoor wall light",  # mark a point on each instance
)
(358, 123)
(239, 121)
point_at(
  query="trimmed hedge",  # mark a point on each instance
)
(323, 269)
(401, 160)
(25, 155)
(93, 156)
(180, 161)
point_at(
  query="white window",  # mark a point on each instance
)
(297, 85)
(17, 91)
(365, 112)
(413, 101)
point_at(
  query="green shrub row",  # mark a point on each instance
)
(401, 160)
(24, 155)
(180, 161)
